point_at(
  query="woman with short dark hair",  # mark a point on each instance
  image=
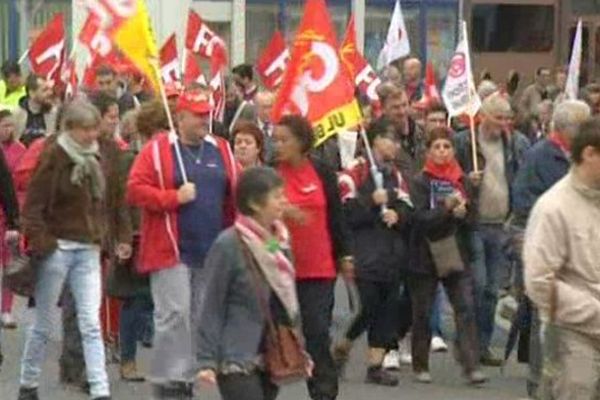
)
(249, 275)
(319, 239)
(439, 252)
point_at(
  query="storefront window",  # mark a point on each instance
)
(377, 22)
(262, 18)
(581, 7)
(512, 28)
(441, 37)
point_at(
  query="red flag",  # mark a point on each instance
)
(314, 84)
(356, 66)
(201, 40)
(94, 38)
(273, 61)
(431, 95)
(217, 85)
(192, 72)
(69, 78)
(169, 61)
(46, 53)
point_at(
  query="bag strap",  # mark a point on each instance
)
(256, 276)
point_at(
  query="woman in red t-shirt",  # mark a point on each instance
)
(319, 242)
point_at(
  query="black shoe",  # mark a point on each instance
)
(379, 376)
(102, 398)
(28, 394)
(174, 390)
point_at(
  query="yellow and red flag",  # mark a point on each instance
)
(315, 85)
(132, 34)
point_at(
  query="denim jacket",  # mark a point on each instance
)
(232, 323)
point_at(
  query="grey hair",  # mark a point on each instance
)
(496, 104)
(486, 88)
(569, 115)
(80, 114)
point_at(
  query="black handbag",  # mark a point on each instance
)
(21, 272)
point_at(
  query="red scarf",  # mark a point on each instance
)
(450, 172)
(560, 142)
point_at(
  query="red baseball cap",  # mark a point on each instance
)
(196, 102)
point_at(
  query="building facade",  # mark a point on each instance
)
(505, 34)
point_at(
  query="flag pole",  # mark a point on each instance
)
(172, 133)
(24, 56)
(473, 143)
(375, 173)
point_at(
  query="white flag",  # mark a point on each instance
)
(459, 93)
(572, 86)
(396, 45)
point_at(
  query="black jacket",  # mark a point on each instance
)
(380, 251)
(435, 224)
(338, 229)
(8, 198)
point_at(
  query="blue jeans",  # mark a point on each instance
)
(488, 258)
(78, 265)
(133, 324)
(436, 313)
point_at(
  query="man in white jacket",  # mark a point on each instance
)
(562, 273)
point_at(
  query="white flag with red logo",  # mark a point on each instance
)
(192, 72)
(357, 66)
(397, 44)
(201, 40)
(47, 52)
(169, 61)
(459, 93)
(273, 61)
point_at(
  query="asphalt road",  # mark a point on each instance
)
(448, 383)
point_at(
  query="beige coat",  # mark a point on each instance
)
(562, 254)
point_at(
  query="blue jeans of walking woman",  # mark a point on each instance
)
(78, 265)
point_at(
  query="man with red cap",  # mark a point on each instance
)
(184, 187)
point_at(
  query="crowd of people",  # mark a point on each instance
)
(222, 240)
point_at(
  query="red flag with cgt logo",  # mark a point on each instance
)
(314, 85)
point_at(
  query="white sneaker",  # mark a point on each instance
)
(8, 321)
(438, 345)
(405, 353)
(391, 361)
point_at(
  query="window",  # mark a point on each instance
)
(580, 7)
(377, 22)
(441, 37)
(512, 28)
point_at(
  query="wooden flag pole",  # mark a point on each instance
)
(473, 143)
(172, 133)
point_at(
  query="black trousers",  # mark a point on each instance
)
(256, 386)
(423, 290)
(379, 301)
(316, 298)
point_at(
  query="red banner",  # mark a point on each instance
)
(201, 40)
(315, 85)
(47, 52)
(273, 61)
(170, 69)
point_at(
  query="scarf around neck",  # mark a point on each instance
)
(560, 142)
(267, 250)
(450, 172)
(86, 164)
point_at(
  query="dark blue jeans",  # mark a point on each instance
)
(135, 321)
(488, 243)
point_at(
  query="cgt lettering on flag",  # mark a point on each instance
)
(314, 85)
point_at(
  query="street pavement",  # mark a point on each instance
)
(506, 384)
